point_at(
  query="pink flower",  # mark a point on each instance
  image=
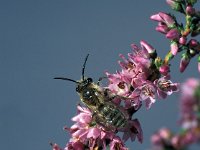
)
(185, 60)
(176, 142)
(85, 128)
(190, 132)
(189, 124)
(83, 117)
(165, 133)
(133, 130)
(87, 133)
(164, 70)
(156, 139)
(129, 82)
(188, 88)
(144, 93)
(117, 144)
(118, 85)
(140, 56)
(138, 81)
(174, 48)
(190, 10)
(188, 100)
(55, 146)
(189, 111)
(134, 69)
(75, 145)
(182, 40)
(147, 94)
(193, 43)
(165, 87)
(164, 18)
(173, 34)
(147, 47)
(162, 28)
(161, 140)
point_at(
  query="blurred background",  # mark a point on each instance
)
(42, 39)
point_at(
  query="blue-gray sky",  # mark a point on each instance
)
(41, 39)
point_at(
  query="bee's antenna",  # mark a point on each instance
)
(83, 69)
(61, 78)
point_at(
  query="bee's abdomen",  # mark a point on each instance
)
(112, 115)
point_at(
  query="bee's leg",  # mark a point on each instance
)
(108, 94)
(100, 79)
(112, 96)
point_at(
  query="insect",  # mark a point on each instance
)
(99, 101)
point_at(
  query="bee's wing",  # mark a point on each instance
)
(100, 120)
(99, 94)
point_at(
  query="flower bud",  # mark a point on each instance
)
(165, 133)
(156, 139)
(183, 40)
(175, 5)
(176, 141)
(193, 43)
(164, 69)
(174, 48)
(167, 19)
(185, 59)
(173, 34)
(55, 146)
(190, 10)
(147, 46)
(156, 17)
(162, 28)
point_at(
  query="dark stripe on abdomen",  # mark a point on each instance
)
(112, 115)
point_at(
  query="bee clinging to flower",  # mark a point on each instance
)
(99, 100)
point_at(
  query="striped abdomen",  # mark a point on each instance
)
(112, 116)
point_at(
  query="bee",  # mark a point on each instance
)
(99, 101)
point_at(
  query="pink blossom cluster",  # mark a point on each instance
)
(179, 34)
(86, 134)
(190, 121)
(90, 135)
(141, 79)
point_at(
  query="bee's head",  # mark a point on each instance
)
(83, 83)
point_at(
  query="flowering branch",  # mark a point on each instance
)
(144, 77)
(178, 34)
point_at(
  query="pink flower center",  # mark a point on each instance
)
(121, 85)
(164, 85)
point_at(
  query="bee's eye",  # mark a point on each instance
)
(89, 80)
